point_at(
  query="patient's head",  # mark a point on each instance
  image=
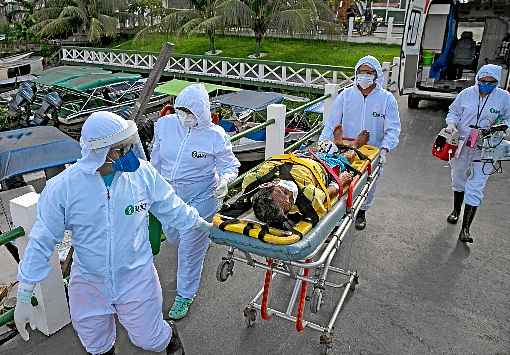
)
(273, 201)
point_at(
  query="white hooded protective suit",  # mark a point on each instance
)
(112, 271)
(376, 113)
(469, 107)
(193, 160)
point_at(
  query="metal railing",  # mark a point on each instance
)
(306, 105)
(11, 235)
(256, 128)
(316, 129)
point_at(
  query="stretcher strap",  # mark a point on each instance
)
(265, 294)
(354, 182)
(358, 152)
(226, 222)
(302, 298)
(263, 231)
(246, 229)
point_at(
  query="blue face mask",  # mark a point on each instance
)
(126, 163)
(486, 88)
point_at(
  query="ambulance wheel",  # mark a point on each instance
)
(225, 270)
(250, 315)
(413, 102)
(316, 300)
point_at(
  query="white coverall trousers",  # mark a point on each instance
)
(139, 309)
(192, 244)
(468, 176)
(371, 194)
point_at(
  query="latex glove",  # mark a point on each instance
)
(382, 158)
(451, 128)
(24, 311)
(222, 188)
(203, 225)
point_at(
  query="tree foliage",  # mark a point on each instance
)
(205, 16)
(60, 18)
(287, 16)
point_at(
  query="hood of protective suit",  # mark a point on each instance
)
(99, 132)
(489, 70)
(196, 99)
(373, 63)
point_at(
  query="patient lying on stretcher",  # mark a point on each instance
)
(287, 188)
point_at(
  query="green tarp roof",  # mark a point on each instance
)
(93, 81)
(81, 78)
(175, 86)
(55, 75)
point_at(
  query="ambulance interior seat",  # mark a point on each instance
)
(464, 55)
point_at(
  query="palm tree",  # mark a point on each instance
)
(204, 17)
(59, 18)
(291, 16)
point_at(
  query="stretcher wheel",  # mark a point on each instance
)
(316, 300)
(326, 342)
(225, 270)
(355, 282)
(250, 315)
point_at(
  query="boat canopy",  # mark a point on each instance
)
(250, 100)
(35, 148)
(82, 78)
(175, 86)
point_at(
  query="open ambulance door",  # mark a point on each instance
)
(411, 42)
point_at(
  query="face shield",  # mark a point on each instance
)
(104, 131)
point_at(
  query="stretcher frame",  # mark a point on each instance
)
(300, 270)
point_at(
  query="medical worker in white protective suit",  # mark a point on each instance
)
(366, 106)
(104, 199)
(481, 105)
(195, 156)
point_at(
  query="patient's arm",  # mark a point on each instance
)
(338, 135)
(332, 190)
(345, 178)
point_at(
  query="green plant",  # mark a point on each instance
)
(59, 18)
(4, 118)
(288, 50)
(291, 16)
(204, 17)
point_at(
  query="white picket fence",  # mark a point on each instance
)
(287, 74)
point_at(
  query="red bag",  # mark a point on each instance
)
(166, 110)
(445, 145)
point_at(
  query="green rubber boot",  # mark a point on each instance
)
(180, 308)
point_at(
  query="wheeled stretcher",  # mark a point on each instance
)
(307, 261)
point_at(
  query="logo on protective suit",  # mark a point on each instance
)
(137, 208)
(198, 155)
(493, 110)
(377, 114)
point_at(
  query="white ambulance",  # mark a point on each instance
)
(445, 42)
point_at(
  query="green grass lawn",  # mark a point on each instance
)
(289, 50)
